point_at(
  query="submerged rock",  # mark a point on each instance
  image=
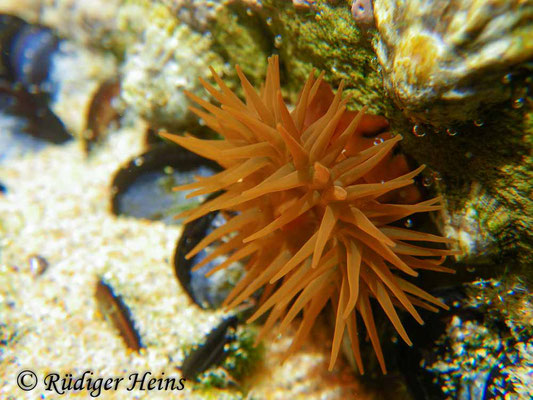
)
(168, 59)
(442, 60)
(363, 13)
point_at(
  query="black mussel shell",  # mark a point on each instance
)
(212, 352)
(9, 28)
(31, 52)
(143, 188)
(26, 121)
(26, 52)
(40, 121)
(207, 292)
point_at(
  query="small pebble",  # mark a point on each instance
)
(38, 264)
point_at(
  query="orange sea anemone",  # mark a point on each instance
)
(309, 201)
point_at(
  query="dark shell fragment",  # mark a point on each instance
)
(212, 352)
(143, 188)
(115, 311)
(102, 113)
(205, 291)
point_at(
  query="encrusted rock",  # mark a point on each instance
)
(164, 63)
(443, 59)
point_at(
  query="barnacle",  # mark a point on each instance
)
(308, 211)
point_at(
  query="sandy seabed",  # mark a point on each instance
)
(58, 207)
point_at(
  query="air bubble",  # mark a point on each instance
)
(138, 161)
(278, 40)
(518, 103)
(378, 140)
(269, 21)
(408, 223)
(249, 12)
(427, 181)
(507, 78)
(479, 122)
(436, 176)
(418, 131)
(451, 132)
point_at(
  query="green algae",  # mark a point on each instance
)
(324, 37)
(242, 38)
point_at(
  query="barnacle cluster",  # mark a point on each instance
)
(309, 204)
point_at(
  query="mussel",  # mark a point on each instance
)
(205, 291)
(212, 351)
(25, 89)
(27, 51)
(143, 188)
(32, 113)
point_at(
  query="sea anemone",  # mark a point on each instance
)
(309, 202)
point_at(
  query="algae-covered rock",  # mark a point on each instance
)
(482, 166)
(483, 170)
(241, 36)
(321, 36)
